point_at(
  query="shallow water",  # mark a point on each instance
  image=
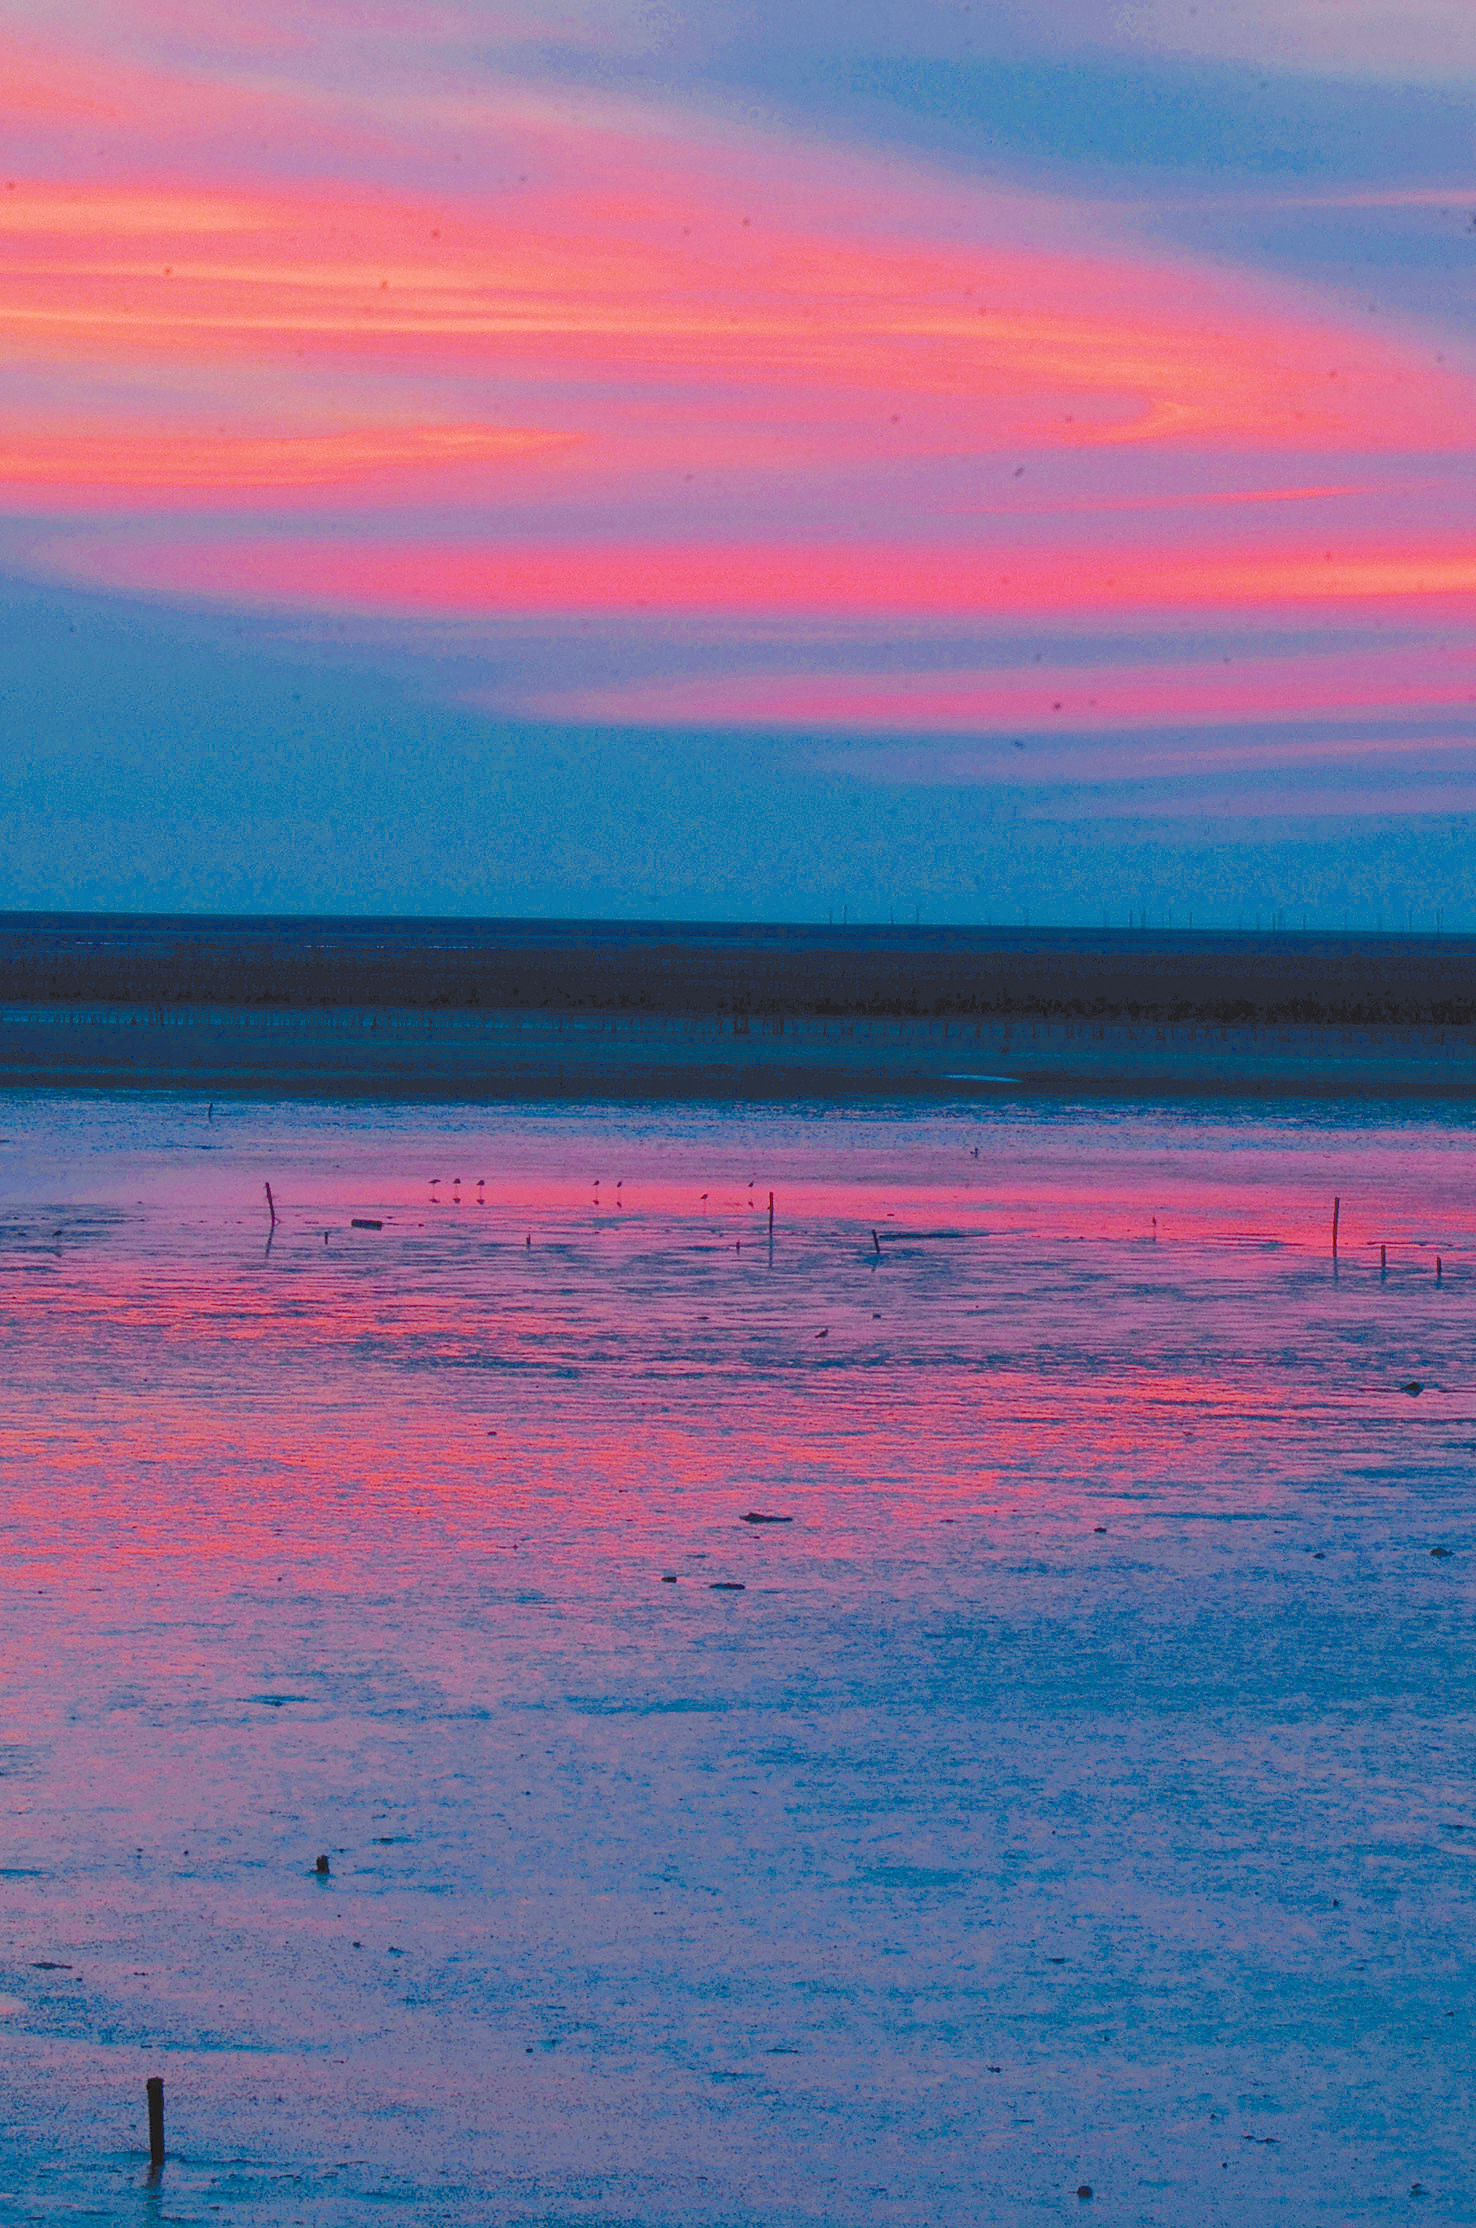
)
(1079, 1789)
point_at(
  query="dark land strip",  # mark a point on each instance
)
(489, 1010)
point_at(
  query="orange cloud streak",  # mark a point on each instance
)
(90, 467)
(1008, 346)
(631, 255)
(851, 581)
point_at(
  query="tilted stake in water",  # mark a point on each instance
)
(155, 2089)
(271, 1205)
(1337, 1209)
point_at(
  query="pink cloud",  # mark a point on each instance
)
(525, 355)
(857, 581)
(1243, 776)
(665, 285)
(608, 282)
(1042, 701)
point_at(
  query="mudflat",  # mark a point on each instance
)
(1077, 1789)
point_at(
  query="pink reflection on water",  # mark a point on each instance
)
(1106, 1629)
(1088, 1304)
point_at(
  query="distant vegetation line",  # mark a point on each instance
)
(661, 968)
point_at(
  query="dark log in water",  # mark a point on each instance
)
(154, 2089)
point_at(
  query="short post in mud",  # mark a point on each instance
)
(156, 2123)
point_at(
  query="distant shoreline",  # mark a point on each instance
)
(706, 972)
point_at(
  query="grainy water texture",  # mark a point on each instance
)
(1079, 1791)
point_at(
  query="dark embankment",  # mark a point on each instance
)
(519, 1008)
(699, 970)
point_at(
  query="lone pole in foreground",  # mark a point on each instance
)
(1337, 1210)
(156, 2123)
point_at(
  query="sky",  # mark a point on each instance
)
(941, 460)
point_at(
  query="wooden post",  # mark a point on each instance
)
(156, 2122)
(771, 1214)
(271, 1206)
(1337, 1210)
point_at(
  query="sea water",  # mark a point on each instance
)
(1073, 1791)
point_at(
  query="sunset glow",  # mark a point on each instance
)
(420, 333)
